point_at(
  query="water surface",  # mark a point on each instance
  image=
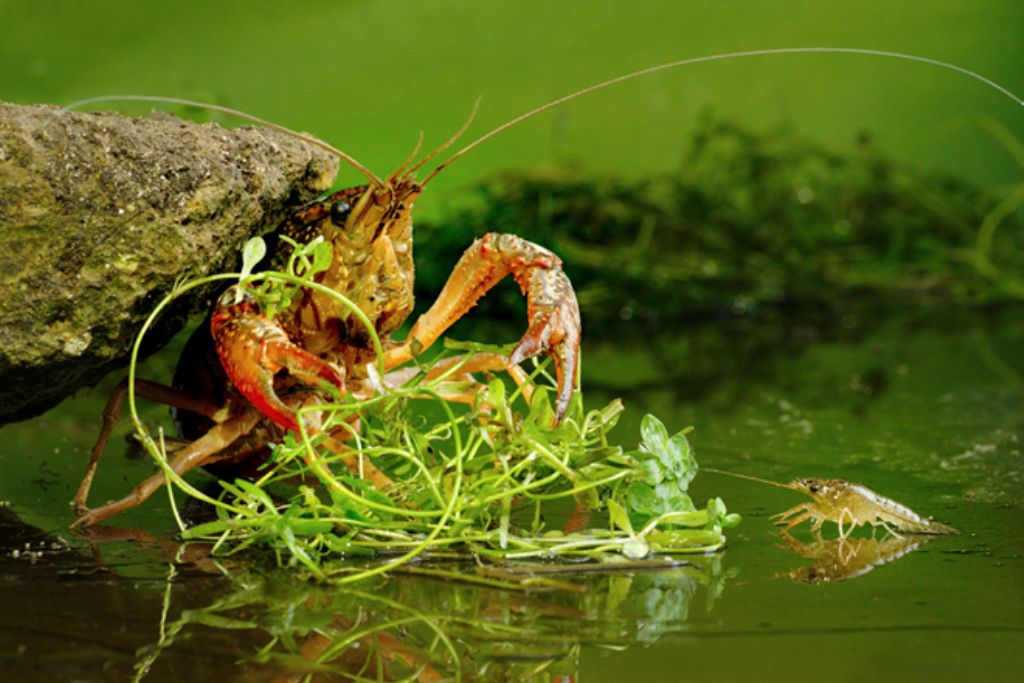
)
(924, 409)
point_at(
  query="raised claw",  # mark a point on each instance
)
(253, 348)
(554, 317)
(553, 312)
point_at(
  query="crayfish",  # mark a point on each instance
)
(849, 504)
(244, 375)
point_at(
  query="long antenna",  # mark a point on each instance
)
(746, 476)
(308, 139)
(451, 141)
(715, 58)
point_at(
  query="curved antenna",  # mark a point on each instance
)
(449, 143)
(308, 139)
(715, 58)
(408, 160)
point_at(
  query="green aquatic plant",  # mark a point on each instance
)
(375, 479)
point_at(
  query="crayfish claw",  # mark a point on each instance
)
(253, 348)
(552, 309)
(554, 329)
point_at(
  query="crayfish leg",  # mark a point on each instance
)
(462, 367)
(888, 527)
(793, 516)
(112, 413)
(196, 454)
(844, 533)
(783, 516)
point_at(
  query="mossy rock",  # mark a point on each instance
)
(101, 213)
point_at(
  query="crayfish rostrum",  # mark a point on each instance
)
(243, 377)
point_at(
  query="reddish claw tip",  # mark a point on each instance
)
(556, 333)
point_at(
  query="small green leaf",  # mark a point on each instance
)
(255, 492)
(672, 499)
(691, 518)
(641, 498)
(716, 509)
(618, 517)
(310, 527)
(609, 415)
(681, 540)
(684, 467)
(496, 393)
(323, 254)
(540, 409)
(252, 253)
(653, 472)
(655, 436)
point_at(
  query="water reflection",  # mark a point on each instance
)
(448, 622)
(845, 557)
(440, 620)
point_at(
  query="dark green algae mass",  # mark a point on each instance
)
(753, 225)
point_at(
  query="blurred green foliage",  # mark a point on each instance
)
(752, 224)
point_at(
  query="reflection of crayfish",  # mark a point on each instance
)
(844, 558)
(847, 504)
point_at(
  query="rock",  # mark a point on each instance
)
(100, 214)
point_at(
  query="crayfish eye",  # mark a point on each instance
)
(814, 488)
(339, 212)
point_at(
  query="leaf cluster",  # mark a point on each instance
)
(489, 480)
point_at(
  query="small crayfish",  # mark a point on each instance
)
(848, 505)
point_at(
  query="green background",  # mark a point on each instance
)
(369, 76)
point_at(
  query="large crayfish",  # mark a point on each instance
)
(269, 367)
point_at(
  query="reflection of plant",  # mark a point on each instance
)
(412, 628)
